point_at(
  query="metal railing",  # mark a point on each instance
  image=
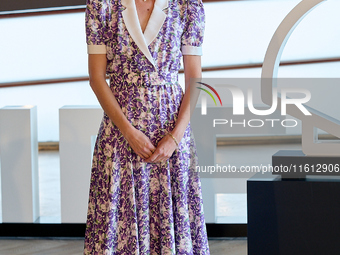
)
(204, 69)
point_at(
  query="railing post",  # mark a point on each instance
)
(19, 164)
(77, 125)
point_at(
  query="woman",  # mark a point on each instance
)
(145, 196)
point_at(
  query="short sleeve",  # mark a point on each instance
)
(192, 37)
(95, 25)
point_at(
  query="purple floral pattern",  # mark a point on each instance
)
(136, 207)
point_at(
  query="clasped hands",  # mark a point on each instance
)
(143, 147)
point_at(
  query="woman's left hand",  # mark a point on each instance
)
(165, 148)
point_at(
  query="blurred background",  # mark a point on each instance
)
(43, 62)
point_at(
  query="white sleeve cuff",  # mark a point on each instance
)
(96, 49)
(191, 50)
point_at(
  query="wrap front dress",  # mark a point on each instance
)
(136, 207)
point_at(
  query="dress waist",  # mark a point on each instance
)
(143, 78)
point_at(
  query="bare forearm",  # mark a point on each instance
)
(110, 105)
(97, 71)
(192, 69)
(138, 141)
(166, 146)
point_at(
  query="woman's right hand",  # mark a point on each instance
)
(140, 143)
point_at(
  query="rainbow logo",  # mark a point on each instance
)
(209, 93)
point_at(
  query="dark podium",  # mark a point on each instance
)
(294, 214)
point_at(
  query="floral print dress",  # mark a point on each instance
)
(138, 208)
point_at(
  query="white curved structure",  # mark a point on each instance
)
(310, 144)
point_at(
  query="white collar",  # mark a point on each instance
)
(152, 29)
